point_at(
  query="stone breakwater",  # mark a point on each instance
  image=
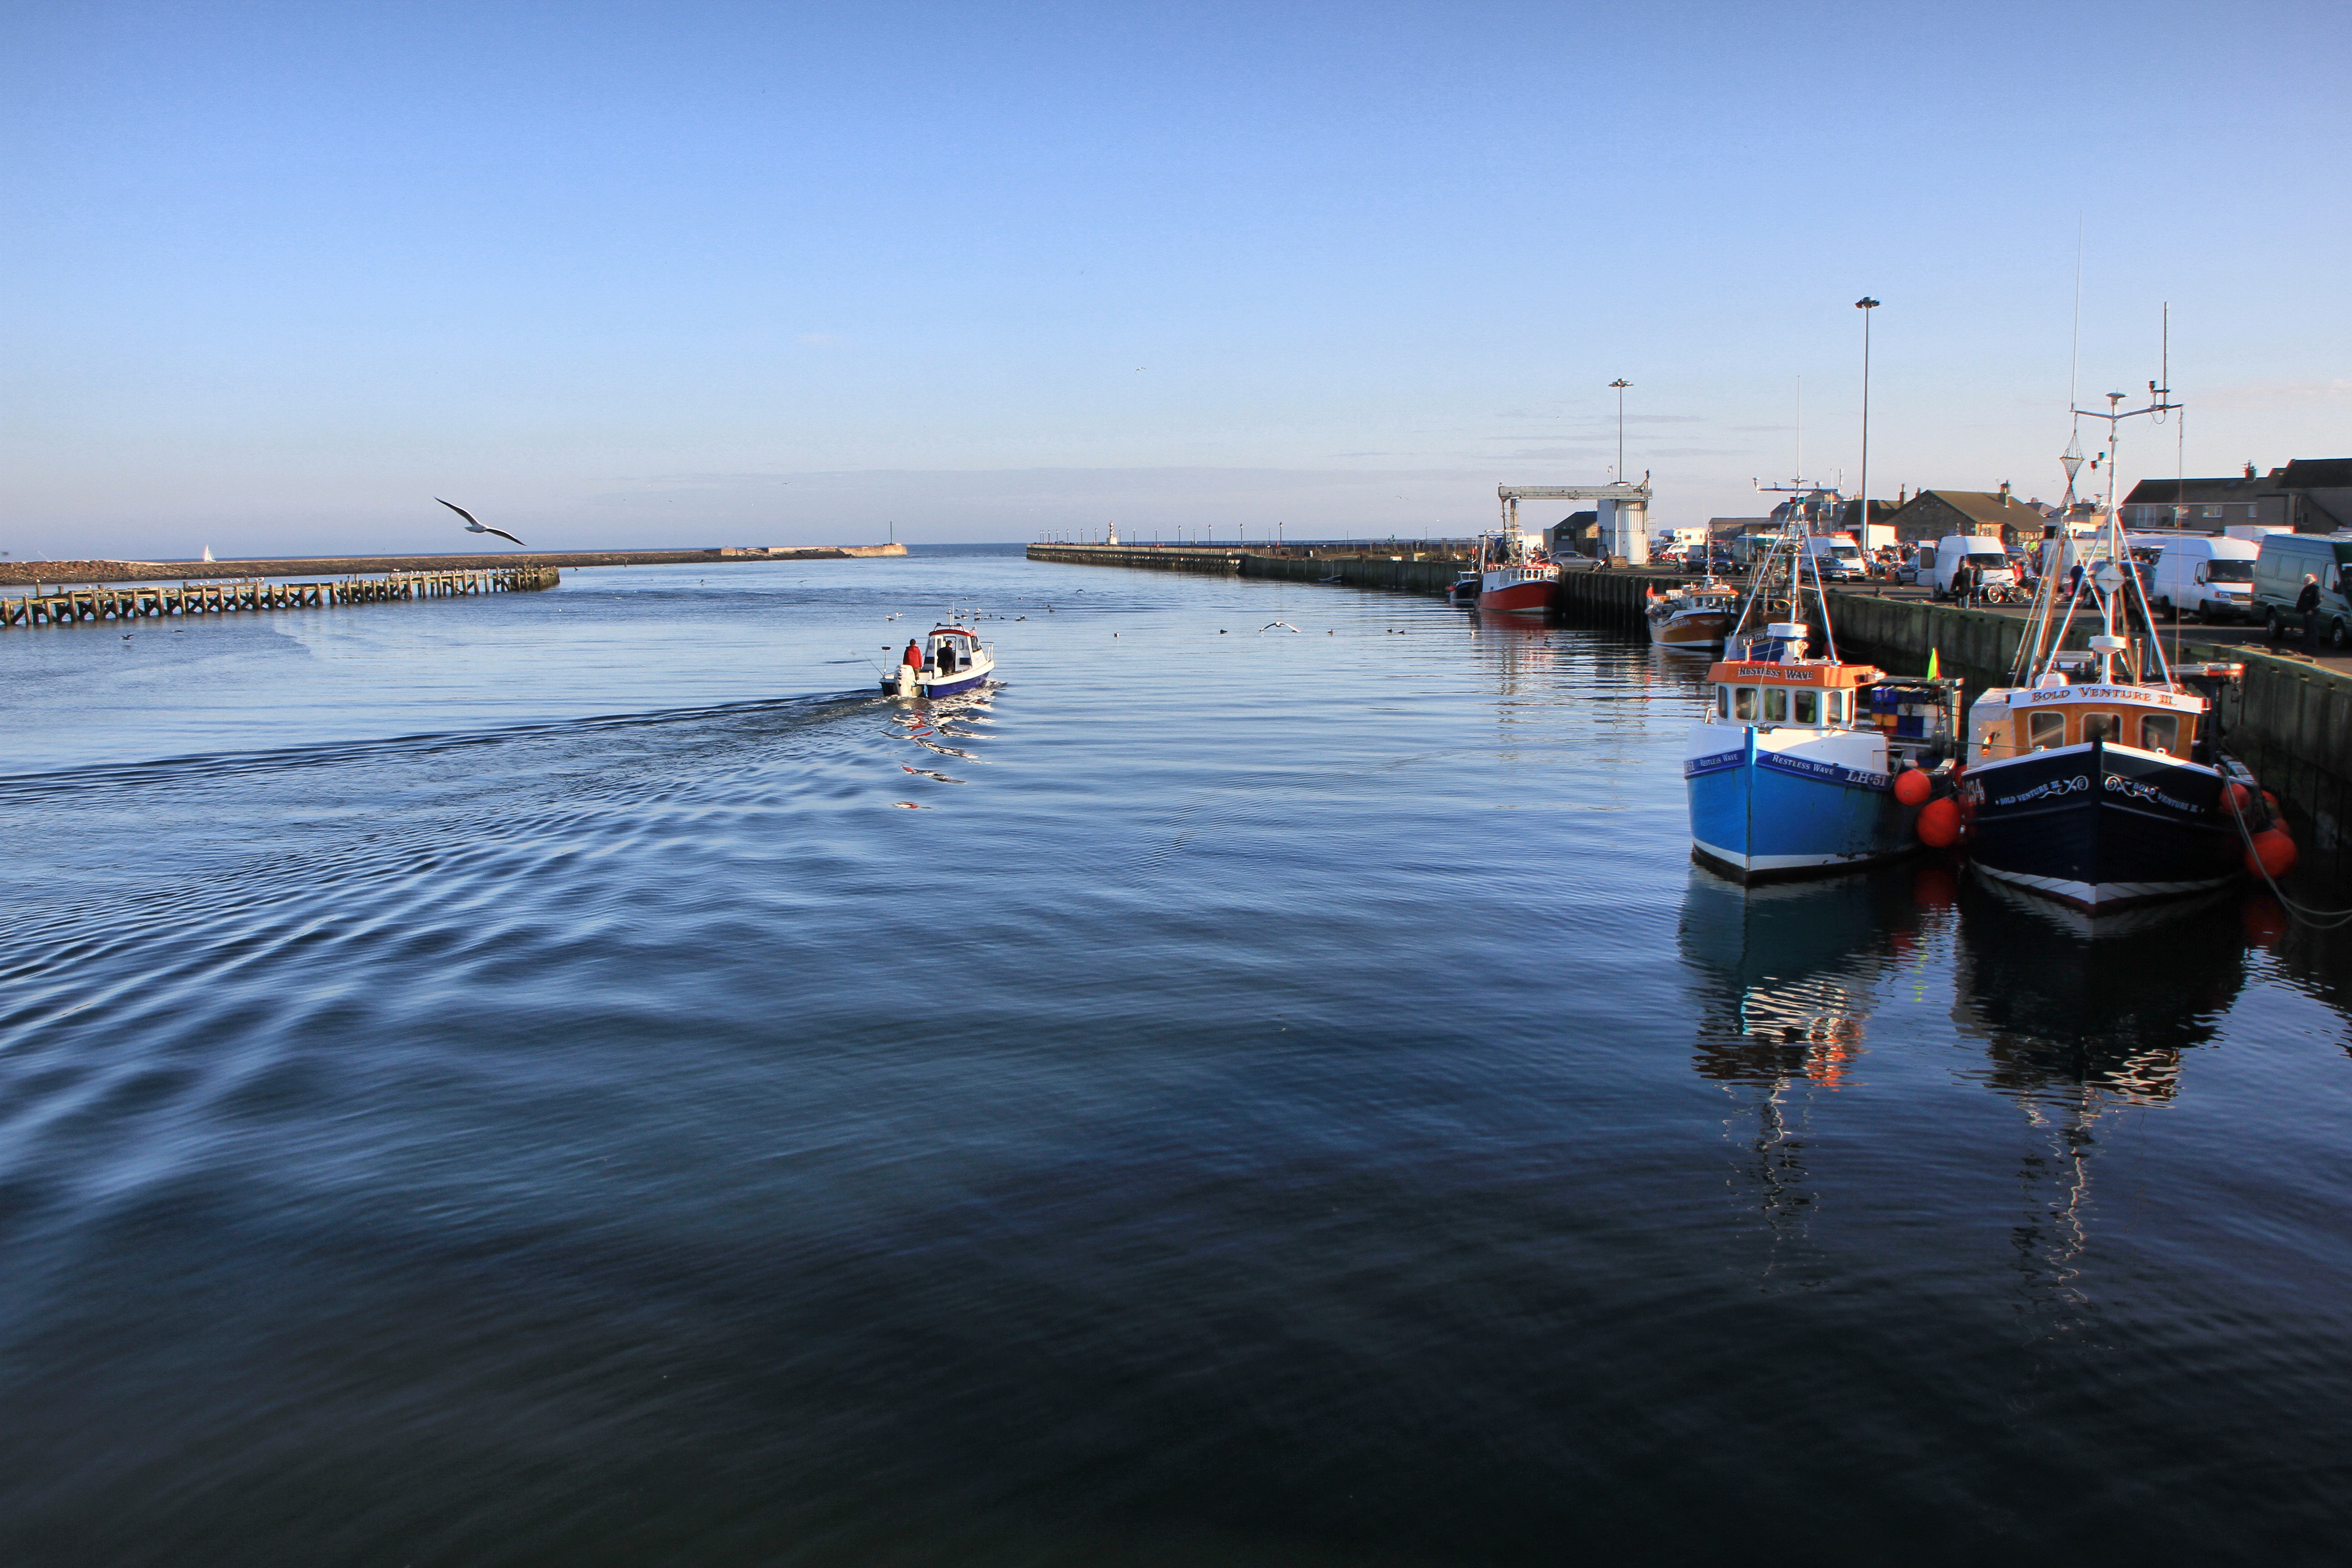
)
(19, 573)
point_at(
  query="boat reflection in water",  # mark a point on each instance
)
(2081, 1017)
(2069, 1019)
(1788, 968)
(1786, 976)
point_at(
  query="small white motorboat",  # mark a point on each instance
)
(948, 660)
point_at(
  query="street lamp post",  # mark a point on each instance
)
(1861, 524)
(1621, 383)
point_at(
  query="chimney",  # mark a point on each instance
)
(2004, 492)
(2250, 468)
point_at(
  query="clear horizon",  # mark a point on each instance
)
(613, 279)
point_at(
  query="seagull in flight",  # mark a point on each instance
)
(473, 527)
(1269, 625)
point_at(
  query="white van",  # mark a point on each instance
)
(1981, 551)
(1835, 556)
(2201, 575)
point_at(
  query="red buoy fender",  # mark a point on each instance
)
(1913, 786)
(2272, 854)
(1940, 824)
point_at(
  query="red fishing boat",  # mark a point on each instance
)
(1514, 574)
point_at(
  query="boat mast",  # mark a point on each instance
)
(2119, 555)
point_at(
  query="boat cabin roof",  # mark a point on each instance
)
(1812, 672)
(954, 632)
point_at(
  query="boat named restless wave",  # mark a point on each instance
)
(1809, 766)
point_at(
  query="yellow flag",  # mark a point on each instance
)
(1931, 664)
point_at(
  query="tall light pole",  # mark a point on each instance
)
(1861, 524)
(1621, 383)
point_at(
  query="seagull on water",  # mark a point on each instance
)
(1269, 625)
(473, 527)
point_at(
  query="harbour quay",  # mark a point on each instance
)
(2290, 716)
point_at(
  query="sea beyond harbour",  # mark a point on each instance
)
(577, 1078)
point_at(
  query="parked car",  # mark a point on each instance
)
(1937, 562)
(1917, 566)
(2285, 559)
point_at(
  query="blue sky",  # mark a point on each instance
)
(274, 277)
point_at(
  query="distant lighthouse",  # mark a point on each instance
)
(1113, 537)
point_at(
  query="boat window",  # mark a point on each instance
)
(2161, 733)
(1806, 706)
(2047, 728)
(1723, 703)
(1744, 706)
(2103, 727)
(1776, 705)
(1837, 701)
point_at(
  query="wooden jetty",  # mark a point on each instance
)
(60, 606)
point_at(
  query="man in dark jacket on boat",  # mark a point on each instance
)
(2306, 604)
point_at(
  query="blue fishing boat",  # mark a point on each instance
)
(1796, 769)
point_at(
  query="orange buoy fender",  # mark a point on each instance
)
(2238, 798)
(1913, 787)
(2271, 854)
(1940, 824)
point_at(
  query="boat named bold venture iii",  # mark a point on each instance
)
(2097, 776)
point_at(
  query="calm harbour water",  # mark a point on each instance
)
(503, 1081)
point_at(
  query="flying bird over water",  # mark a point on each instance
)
(473, 527)
(1269, 625)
